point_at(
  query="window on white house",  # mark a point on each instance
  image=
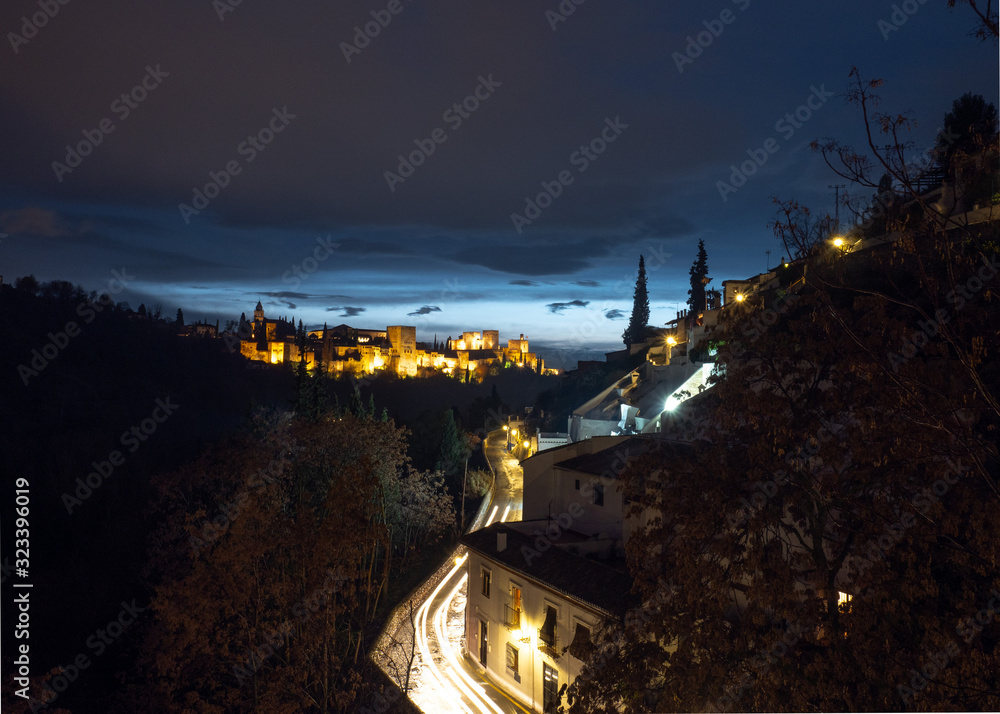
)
(547, 633)
(511, 658)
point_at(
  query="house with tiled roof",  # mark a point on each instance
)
(540, 587)
(533, 605)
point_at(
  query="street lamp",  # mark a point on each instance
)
(671, 341)
(526, 636)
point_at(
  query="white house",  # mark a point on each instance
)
(533, 605)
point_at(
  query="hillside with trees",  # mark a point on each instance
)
(831, 542)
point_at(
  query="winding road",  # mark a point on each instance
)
(441, 679)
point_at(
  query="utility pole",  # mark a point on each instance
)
(836, 200)
(767, 263)
(464, 479)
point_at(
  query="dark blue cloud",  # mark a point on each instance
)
(347, 310)
(425, 310)
(557, 308)
(652, 191)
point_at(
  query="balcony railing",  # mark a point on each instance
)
(511, 617)
(547, 642)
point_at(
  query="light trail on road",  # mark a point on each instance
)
(439, 687)
(442, 679)
(448, 678)
(456, 672)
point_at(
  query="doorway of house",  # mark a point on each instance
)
(483, 643)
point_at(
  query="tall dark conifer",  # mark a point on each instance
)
(635, 333)
(698, 273)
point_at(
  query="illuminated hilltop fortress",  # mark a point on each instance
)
(351, 350)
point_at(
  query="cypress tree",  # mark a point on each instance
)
(452, 451)
(635, 333)
(698, 273)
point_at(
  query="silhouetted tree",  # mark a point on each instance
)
(27, 283)
(451, 455)
(635, 333)
(275, 606)
(180, 317)
(698, 273)
(987, 26)
(870, 469)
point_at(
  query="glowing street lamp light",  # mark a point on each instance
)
(838, 242)
(740, 297)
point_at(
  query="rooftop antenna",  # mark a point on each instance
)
(836, 200)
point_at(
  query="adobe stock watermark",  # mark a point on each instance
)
(581, 159)
(657, 258)
(310, 264)
(915, 167)
(900, 15)
(131, 438)
(454, 116)
(279, 636)
(786, 126)
(222, 7)
(637, 620)
(250, 148)
(364, 34)
(122, 107)
(764, 491)
(697, 44)
(58, 341)
(761, 662)
(30, 26)
(214, 528)
(562, 12)
(930, 328)
(98, 642)
(921, 502)
(591, 490)
(968, 629)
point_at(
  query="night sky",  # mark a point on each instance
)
(302, 128)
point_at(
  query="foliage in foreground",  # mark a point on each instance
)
(274, 564)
